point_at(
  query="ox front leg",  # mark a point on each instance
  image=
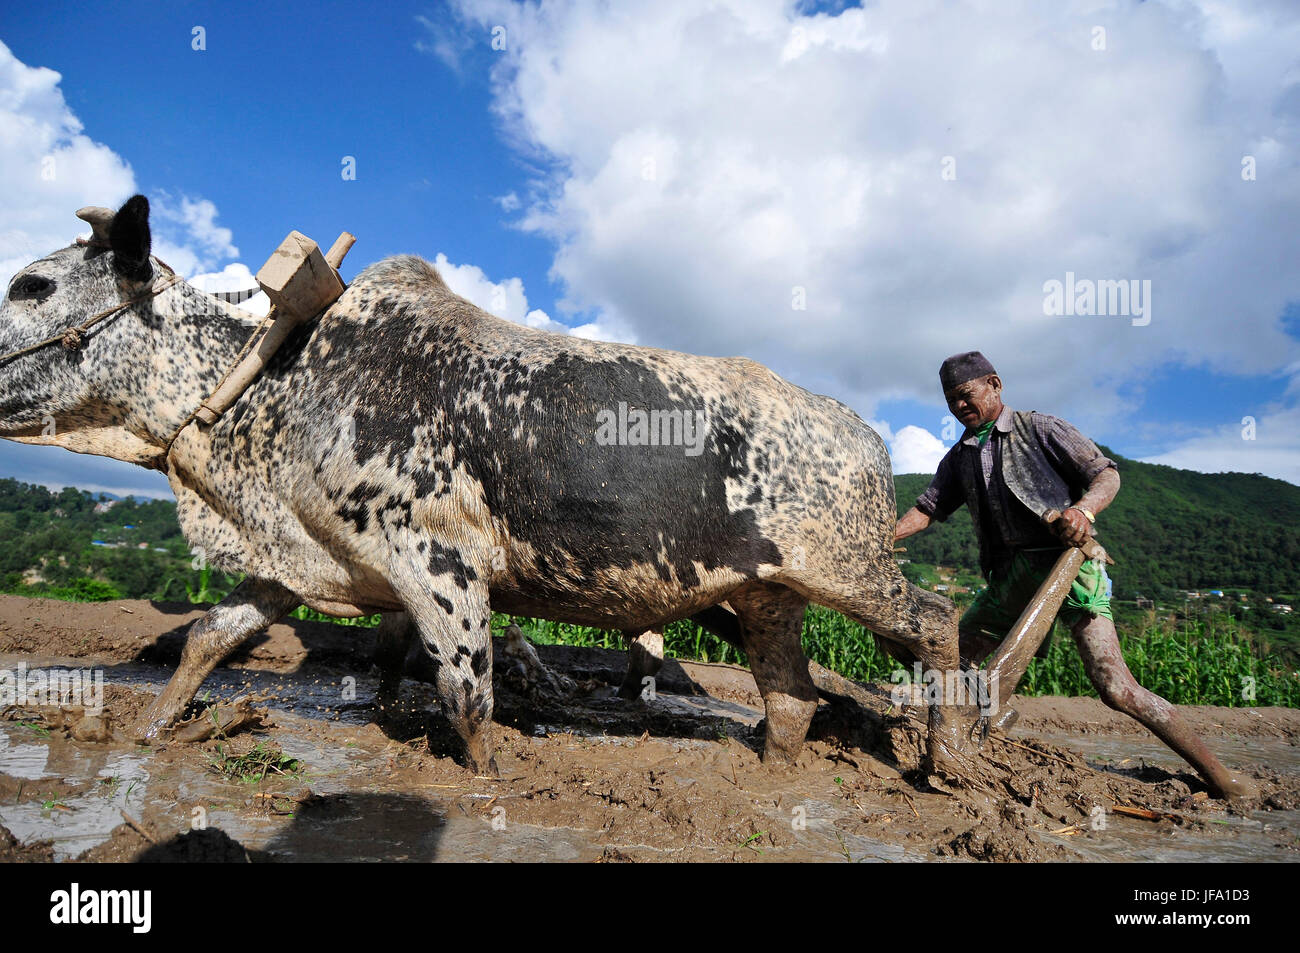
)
(251, 607)
(771, 628)
(645, 657)
(452, 616)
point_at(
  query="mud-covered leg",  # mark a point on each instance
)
(645, 657)
(1105, 665)
(251, 607)
(451, 615)
(925, 625)
(392, 642)
(771, 627)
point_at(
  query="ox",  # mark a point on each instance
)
(408, 452)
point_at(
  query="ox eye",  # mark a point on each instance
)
(30, 286)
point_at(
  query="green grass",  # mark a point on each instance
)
(253, 767)
(1196, 663)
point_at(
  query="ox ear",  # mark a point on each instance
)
(130, 239)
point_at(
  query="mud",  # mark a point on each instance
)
(588, 777)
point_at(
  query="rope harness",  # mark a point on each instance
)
(73, 337)
(267, 336)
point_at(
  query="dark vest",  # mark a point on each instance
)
(1029, 477)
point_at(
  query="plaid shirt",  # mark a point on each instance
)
(1002, 523)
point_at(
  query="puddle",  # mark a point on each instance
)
(74, 823)
(1262, 836)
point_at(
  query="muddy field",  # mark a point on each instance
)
(584, 777)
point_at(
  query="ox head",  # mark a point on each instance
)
(74, 398)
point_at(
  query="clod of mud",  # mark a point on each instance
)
(71, 722)
(12, 852)
(222, 721)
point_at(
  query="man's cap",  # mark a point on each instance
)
(961, 368)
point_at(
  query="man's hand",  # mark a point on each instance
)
(1073, 527)
(913, 521)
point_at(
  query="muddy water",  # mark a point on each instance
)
(563, 795)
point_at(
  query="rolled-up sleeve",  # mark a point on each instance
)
(944, 494)
(1070, 452)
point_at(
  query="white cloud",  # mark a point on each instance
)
(710, 164)
(48, 169)
(506, 299)
(207, 241)
(234, 277)
(916, 450)
(1271, 446)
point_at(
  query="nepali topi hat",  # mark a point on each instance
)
(961, 368)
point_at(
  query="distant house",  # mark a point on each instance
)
(941, 588)
(105, 506)
(1217, 592)
(129, 526)
(1282, 607)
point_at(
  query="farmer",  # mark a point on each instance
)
(1007, 467)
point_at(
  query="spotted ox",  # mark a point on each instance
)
(408, 451)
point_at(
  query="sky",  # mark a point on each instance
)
(847, 194)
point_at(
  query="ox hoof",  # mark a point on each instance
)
(631, 689)
(1235, 789)
(946, 759)
(153, 725)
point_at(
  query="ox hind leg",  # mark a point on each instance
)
(392, 643)
(645, 657)
(922, 623)
(251, 607)
(451, 615)
(771, 631)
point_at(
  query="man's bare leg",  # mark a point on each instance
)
(1105, 665)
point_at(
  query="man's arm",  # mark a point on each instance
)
(1078, 459)
(912, 522)
(1075, 526)
(937, 503)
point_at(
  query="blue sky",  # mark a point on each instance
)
(677, 174)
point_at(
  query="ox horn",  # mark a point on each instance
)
(100, 220)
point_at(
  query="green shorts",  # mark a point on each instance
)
(996, 609)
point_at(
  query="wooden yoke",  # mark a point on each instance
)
(301, 283)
